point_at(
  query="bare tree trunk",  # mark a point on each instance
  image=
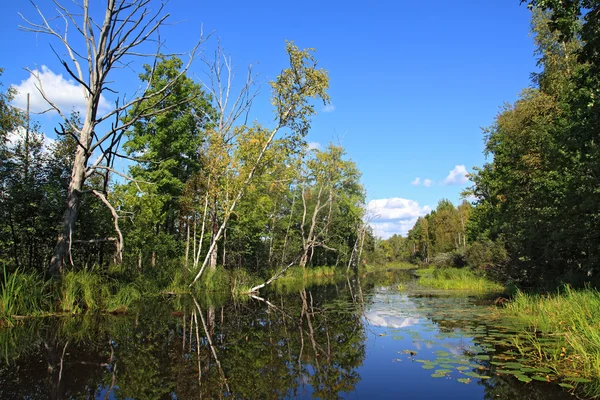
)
(63, 244)
(215, 232)
(197, 255)
(101, 46)
(308, 242)
(287, 232)
(187, 245)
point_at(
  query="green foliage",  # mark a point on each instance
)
(84, 290)
(23, 294)
(295, 86)
(538, 195)
(570, 315)
(124, 297)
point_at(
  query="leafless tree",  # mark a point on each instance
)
(108, 42)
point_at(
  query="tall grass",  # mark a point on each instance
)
(573, 318)
(459, 279)
(83, 290)
(401, 265)
(125, 295)
(22, 294)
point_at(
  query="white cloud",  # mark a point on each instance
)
(313, 145)
(394, 215)
(427, 182)
(416, 181)
(18, 135)
(458, 176)
(65, 93)
(328, 108)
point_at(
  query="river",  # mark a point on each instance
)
(360, 337)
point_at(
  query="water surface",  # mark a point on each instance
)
(358, 338)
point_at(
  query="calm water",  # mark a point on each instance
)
(356, 339)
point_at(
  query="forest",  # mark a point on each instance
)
(533, 212)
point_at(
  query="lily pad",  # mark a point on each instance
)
(539, 378)
(566, 385)
(443, 371)
(578, 380)
(466, 381)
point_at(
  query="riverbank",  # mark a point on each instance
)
(572, 318)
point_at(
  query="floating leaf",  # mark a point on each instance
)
(483, 357)
(513, 365)
(540, 378)
(462, 368)
(466, 381)
(438, 375)
(527, 370)
(578, 380)
(524, 378)
(443, 371)
(566, 385)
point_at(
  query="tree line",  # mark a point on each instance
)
(537, 200)
(203, 187)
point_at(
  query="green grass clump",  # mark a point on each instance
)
(124, 297)
(22, 294)
(570, 316)
(215, 280)
(83, 290)
(400, 265)
(458, 279)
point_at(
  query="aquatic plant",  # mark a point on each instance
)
(22, 294)
(83, 290)
(459, 279)
(572, 317)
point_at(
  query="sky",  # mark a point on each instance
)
(411, 83)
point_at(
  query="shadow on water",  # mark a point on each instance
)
(355, 337)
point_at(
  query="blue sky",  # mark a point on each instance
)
(412, 83)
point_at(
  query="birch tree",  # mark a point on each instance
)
(291, 94)
(108, 42)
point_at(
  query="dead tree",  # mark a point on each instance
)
(109, 42)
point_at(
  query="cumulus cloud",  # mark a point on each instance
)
(418, 182)
(313, 145)
(65, 93)
(394, 216)
(328, 108)
(458, 176)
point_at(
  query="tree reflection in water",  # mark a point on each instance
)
(291, 345)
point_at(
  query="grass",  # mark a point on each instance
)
(297, 277)
(396, 265)
(83, 290)
(457, 279)
(572, 317)
(22, 294)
